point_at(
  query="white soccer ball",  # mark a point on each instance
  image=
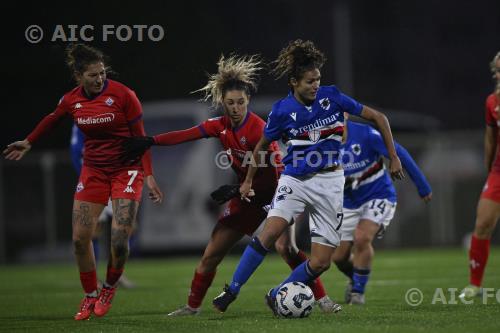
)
(294, 300)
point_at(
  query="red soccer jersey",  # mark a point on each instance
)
(103, 119)
(241, 141)
(492, 119)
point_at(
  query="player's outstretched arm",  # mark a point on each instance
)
(136, 146)
(395, 168)
(16, 150)
(416, 175)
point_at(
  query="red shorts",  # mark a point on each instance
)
(244, 216)
(491, 189)
(98, 185)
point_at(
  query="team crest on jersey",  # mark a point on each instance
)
(356, 149)
(285, 189)
(325, 103)
(243, 140)
(78, 106)
(79, 187)
(109, 101)
(314, 135)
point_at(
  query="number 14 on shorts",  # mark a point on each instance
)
(381, 209)
(377, 207)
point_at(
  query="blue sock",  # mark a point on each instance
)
(95, 244)
(360, 278)
(302, 273)
(249, 261)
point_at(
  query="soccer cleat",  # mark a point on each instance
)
(271, 302)
(471, 291)
(185, 310)
(103, 304)
(327, 305)
(357, 299)
(347, 292)
(86, 306)
(222, 301)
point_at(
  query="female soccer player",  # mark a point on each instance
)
(369, 202)
(310, 120)
(239, 131)
(76, 149)
(488, 207)
(105, 111)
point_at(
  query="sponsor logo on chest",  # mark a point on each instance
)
(98, 119)
(314, 129)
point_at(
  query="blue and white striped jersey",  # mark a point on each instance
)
(366, 176)
(312, 134)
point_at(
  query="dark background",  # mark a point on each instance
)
(427, 57)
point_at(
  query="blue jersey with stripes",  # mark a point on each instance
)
(366, 175)
(313, 133)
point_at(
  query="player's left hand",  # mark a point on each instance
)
(427, 198)
(396, 169)
(155, 193)
(246, 191)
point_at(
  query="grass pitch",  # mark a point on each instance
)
(44, 298)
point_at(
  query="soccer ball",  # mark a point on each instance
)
(294, 300)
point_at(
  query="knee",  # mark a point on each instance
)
(120, 249)
(362, 239)
(81, 245)
(319, 265)
(285, 250)
(267, 239)
(484, 226)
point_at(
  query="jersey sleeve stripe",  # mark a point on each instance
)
(136, 119)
